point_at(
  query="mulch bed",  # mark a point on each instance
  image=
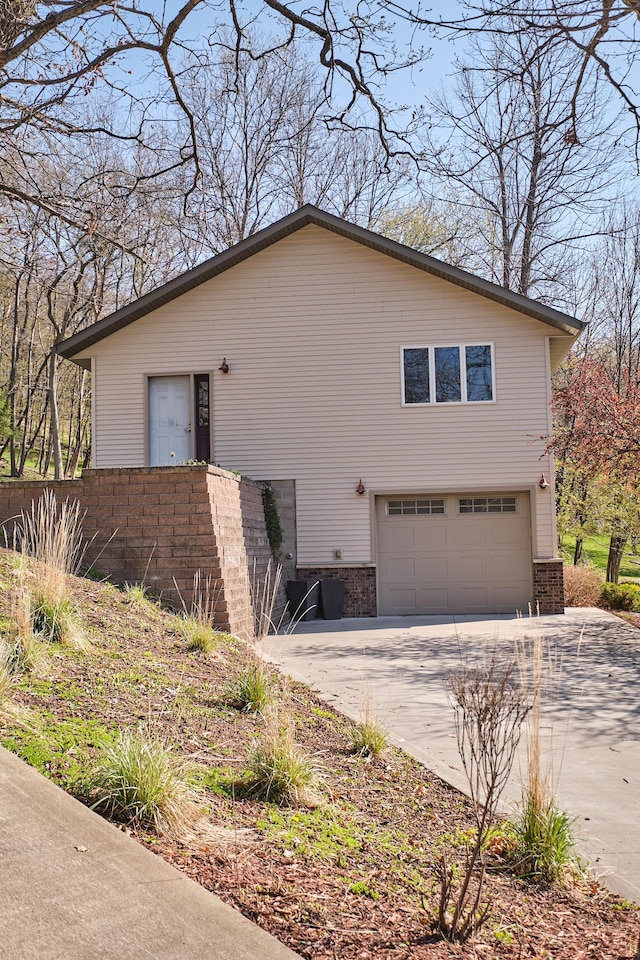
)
(355, 878)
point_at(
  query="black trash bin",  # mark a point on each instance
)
(304, 598)
(332, 599)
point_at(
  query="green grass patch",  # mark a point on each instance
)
(223, 781)
(596, 550)
(62, 750)
(252, 689)
(333, 833)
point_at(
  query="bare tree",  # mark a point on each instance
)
(127, 58)
(268, 146)
(530, 179)
(598, 36)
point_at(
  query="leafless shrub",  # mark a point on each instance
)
(582, 586)
(490, 706)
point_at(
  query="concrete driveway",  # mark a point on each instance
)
(591, 721)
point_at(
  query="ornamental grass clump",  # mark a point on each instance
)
(141, 782)
(136, 595)
(252, 690)
(542, 844)
(368, 738)
(7, 674)
(23, 648)
(51, 534)
(278, 771)
(194, 623)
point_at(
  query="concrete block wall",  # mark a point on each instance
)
(284, 493)
(159, 525)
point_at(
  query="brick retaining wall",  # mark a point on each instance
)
(159, 525)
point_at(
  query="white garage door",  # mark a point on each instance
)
(462, 553)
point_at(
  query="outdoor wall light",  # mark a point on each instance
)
(360, 489)
(224, 366)
(543, 483)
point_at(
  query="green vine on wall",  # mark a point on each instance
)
(272, 521)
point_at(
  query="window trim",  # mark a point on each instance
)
(461, 347)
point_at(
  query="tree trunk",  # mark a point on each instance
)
(616, 549)
(55, 422)
(577, 553)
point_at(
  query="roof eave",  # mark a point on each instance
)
(295, 221)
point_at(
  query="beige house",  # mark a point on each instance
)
(399, 407)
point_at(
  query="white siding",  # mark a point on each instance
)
(312, 328)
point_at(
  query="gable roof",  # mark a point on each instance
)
(283, 228)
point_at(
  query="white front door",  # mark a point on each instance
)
(169, 420)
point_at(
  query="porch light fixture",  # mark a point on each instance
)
(224, 366)
(543, 483)
(361, 489)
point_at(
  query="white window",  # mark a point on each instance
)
(487, 505)
(414, 508)
(449, 374)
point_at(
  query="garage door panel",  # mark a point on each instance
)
(429, 534)
(508, 568)
(455, 563)
(432, 568)
(473, 599)
(402, 568)
(471, 567)
(504, 600)
(398, 537)
(503, 535)
(436, 599)
(403, 601)
(465, 535)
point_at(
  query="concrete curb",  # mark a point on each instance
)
(73, 887)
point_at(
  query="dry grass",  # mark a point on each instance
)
(195, 623)
(368, 738)
(264, 596)
(51, 534)
(26, 651)
(543, 842)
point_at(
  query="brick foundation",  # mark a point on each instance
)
(360, 599)
(159, 525)
(548, 586)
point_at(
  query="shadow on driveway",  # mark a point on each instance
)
(590, 725)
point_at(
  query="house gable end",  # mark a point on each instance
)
(309, 215)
